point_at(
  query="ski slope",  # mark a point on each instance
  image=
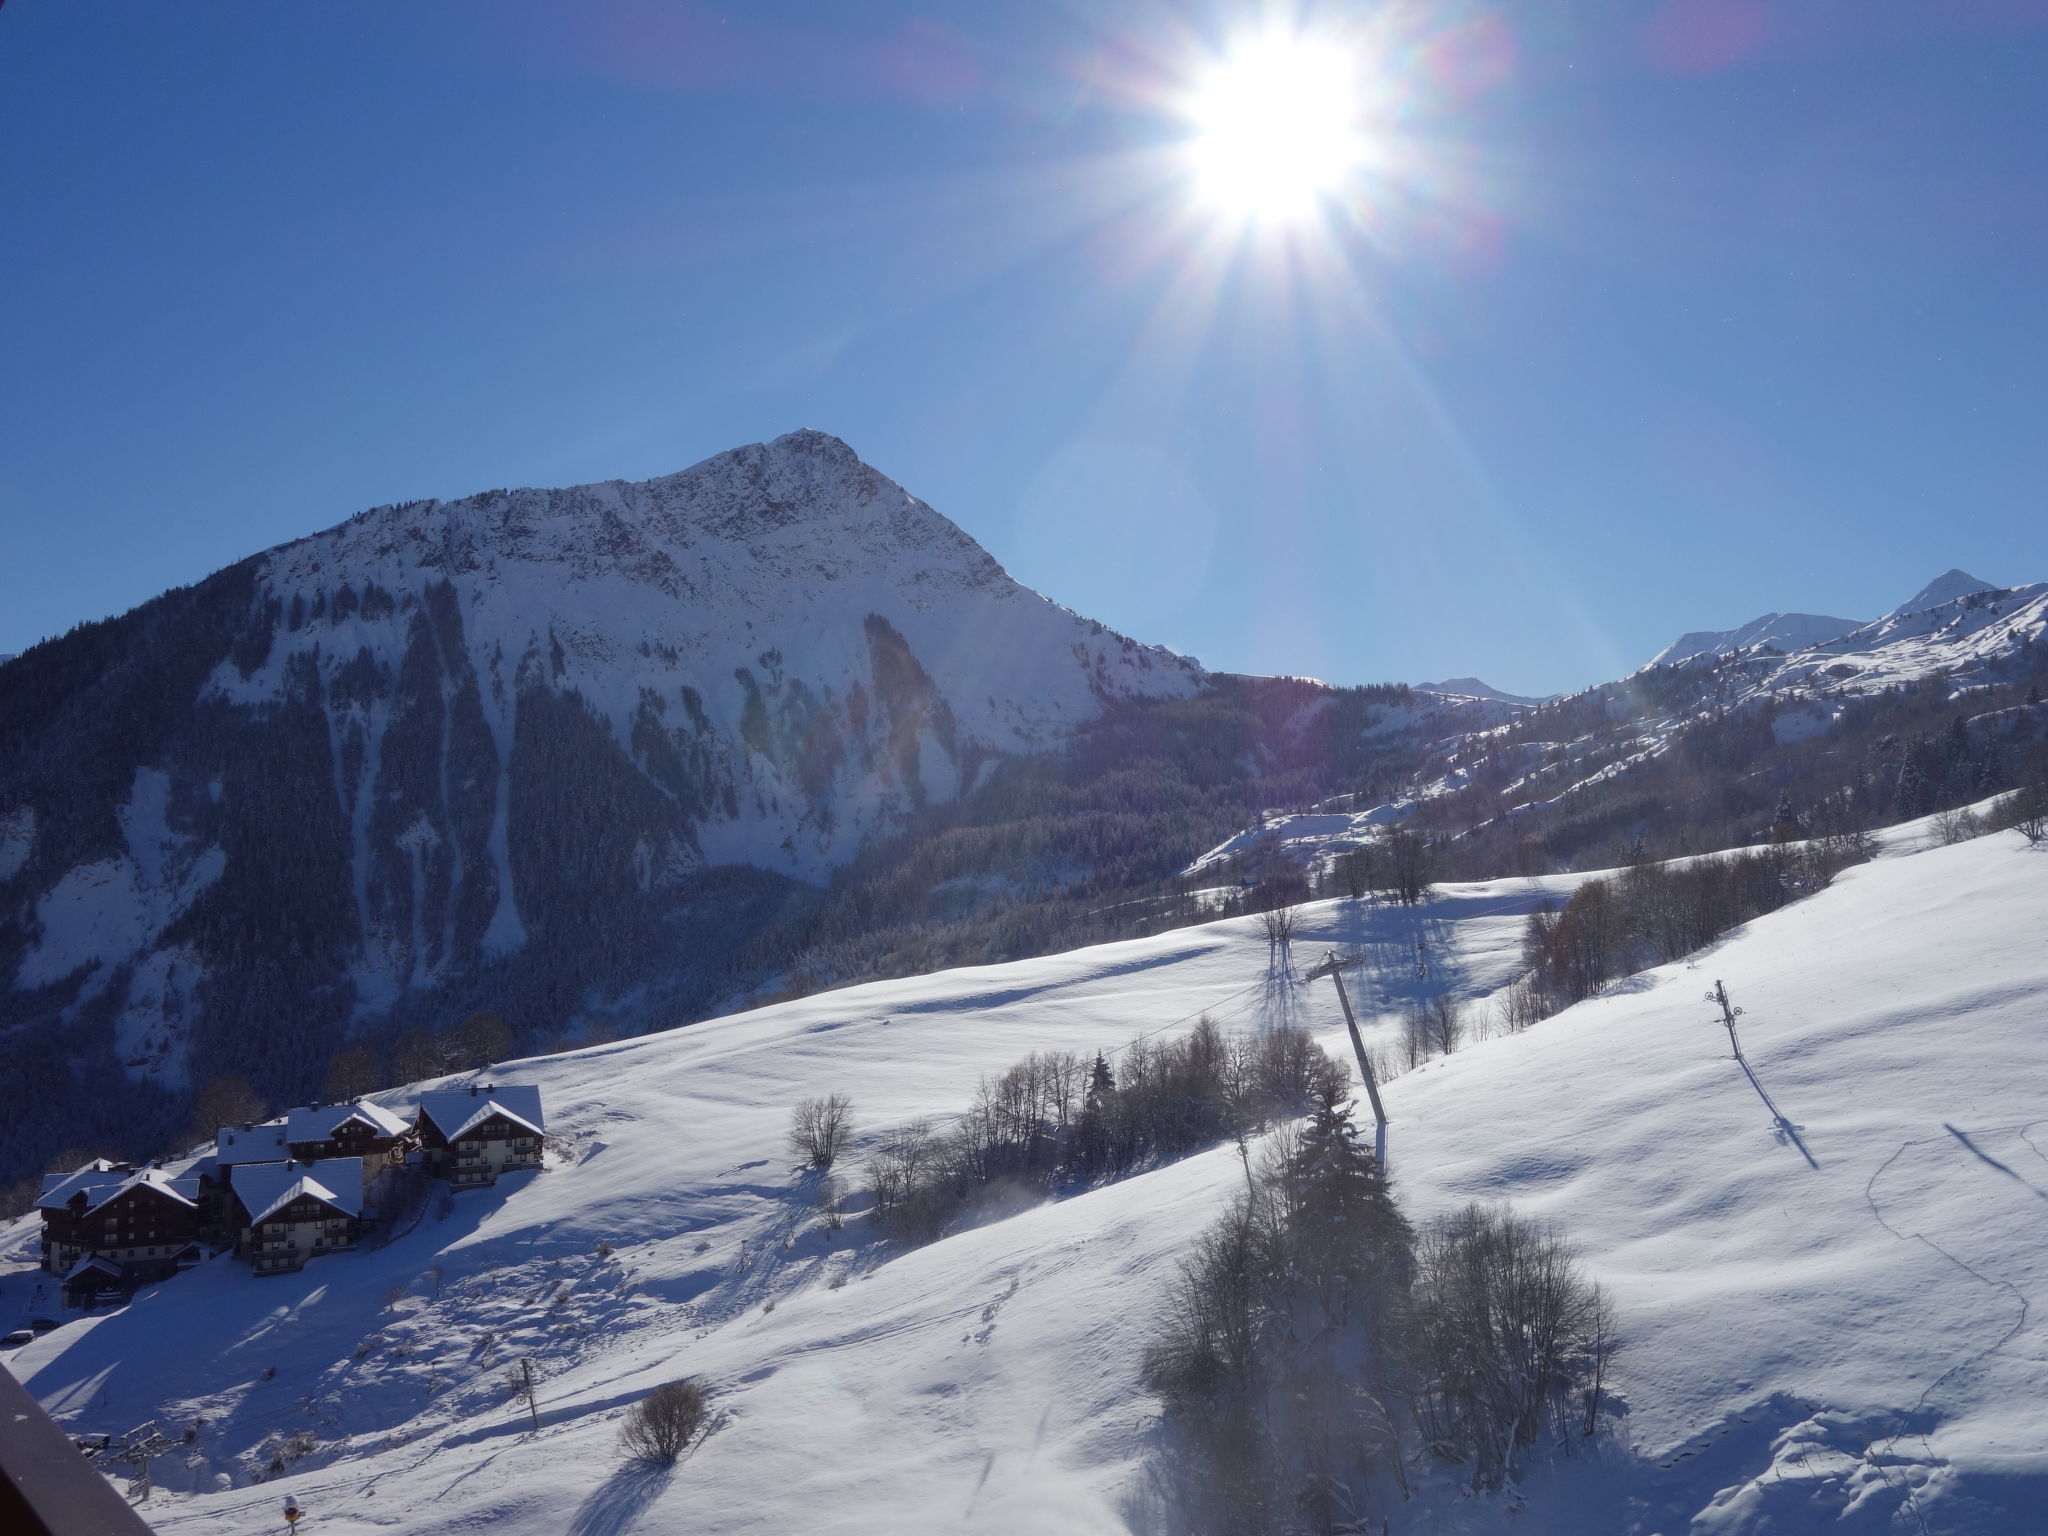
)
(1832, 1265)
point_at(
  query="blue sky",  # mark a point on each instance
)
(1669, 312)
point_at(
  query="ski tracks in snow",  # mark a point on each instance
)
(1948, 1157)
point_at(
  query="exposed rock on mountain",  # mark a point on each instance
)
(517, 733)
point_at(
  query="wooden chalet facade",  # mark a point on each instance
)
(286, 1213)
(109, 1227)
(470, 1136)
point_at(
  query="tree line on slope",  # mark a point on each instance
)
(1058, 1119)
(1313, 1346)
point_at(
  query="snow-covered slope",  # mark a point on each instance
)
(745, 600)
(1787, 631)
(1473, 688)
(1945, 588)
(1831, 1262)
(1963, 644)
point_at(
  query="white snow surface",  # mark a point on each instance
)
(1787, 631)
(1831, 1263)
(1298, 839)
(1967, 642)
(1945, 588)
(1474, 688)
(768, 559)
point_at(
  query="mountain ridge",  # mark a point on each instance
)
(340, 778)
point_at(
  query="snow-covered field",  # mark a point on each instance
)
(1832, 1263)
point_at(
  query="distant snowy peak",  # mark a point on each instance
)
(1798, 631)
(1945, 588)
(1473, 688)
(1786, 631)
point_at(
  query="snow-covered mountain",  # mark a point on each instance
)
(1945, 588)
(1826, 1260)
(1473, 688)
(1802, 631)
(1610, 765)
(370, 765)
(1786, 631)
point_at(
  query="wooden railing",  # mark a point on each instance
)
(46, 1487)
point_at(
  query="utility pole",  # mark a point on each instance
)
(532, 1405)
(1333, 968)
(1729, 1015)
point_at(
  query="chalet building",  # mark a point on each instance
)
(286, 1213)
(470, 1136)
(109, 1227)
(368, 1131)
(233, 1146)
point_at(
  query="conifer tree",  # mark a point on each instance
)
(1348, 1242)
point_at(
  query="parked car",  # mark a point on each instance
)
(44, 1324)
(16, 1339)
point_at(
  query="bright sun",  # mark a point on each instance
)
(1276, 124)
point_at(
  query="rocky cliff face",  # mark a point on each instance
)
(519, 734)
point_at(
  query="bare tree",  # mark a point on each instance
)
(352, 1073)
(1358, 871)
(223, 1101)
(2030, 812)
(1410, 865)
(899, 1168)
(1521, 1003)
(821, 1129)
(660, 1427)
(1434, 1026)
(479, 1040)
(1279, 924)
(1956, 826)
(1510, 1338)
(416, 1054)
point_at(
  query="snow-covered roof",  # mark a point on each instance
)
(91, 1262)
(60, 1187)
(319, 1122)
(263, 1143)
(101, 1181)
(266, 1187)
(457, 1111)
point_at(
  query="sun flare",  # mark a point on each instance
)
(1276, 127)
